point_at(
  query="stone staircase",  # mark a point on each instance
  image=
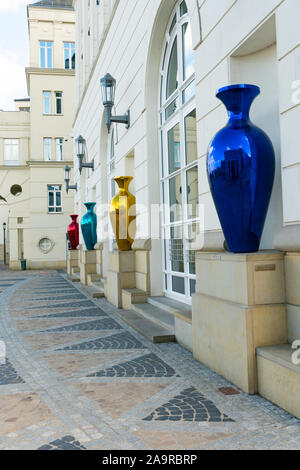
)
(156, 317)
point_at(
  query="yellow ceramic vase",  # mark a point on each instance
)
(122, 214)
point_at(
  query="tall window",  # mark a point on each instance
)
(47, 149)
(178, 149)
(69, 48)
(11, 151)
(46, 54)
(58, 102)
(47, 102)
(59, 148)
(54, 199)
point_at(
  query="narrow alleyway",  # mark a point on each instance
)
(76, 376)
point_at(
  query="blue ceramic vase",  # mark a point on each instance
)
(89, 226)
(241, 170)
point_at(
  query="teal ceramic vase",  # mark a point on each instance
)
(89, 226)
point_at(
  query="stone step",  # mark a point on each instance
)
(133, 296)
(158, 316)
(93, 292)
(174, 307)
(279, 377)
(74, 278)
(99, 285)
(149, 329)
(94, 277)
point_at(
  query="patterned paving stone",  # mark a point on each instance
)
(138, 401)
(121, 397)
(58, 298)
(149, 365)
(43, 290)
(65, 443)
(45, 340)
(18, 411)
(119, 341)
(89, 312)
(37, 324)
(9, 375)
(96, 325)
(83, 303)
(60, 285)
(189, 405)
(170, 439)
(67, 363)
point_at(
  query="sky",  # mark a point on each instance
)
(14, 48)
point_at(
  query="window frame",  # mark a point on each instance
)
(57, 99)
(59, 149)
(45, 99)
(55, 189)
(177, 115)
(49, 139)
(9, 145)
(69, 49)
(46, 48)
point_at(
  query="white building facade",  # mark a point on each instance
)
(169, 58)
(36, 144)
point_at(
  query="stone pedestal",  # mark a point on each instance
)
(90, 263)
(239, 305)
(87, 266)
(72, 261)
(120, 275)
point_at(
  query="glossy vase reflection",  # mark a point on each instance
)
(241, 169)
(89, 226)
(122, 214)
(73, 232)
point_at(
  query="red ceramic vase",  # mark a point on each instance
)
(73, 232)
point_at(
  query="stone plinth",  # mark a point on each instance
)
(72, 261)
(239, 305)
(292, 278)
(120, 275)
(90, 263)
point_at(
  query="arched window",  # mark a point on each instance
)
(178, 150)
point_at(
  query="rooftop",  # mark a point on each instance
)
(57, 4)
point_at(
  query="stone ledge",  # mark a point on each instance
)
(288, 239)
(279, 378)
(281, 355)
(176, 308)
(227, 256)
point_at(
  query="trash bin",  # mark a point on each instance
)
(23, 264)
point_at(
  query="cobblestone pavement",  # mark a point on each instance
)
(77, 377)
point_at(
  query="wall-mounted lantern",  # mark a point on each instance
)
(67, 179)
(81, 150)
(108, 88)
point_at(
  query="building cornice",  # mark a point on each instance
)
(13, 167)
(40, 71)
(43, 164)
(37, 164)
(54, 72)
